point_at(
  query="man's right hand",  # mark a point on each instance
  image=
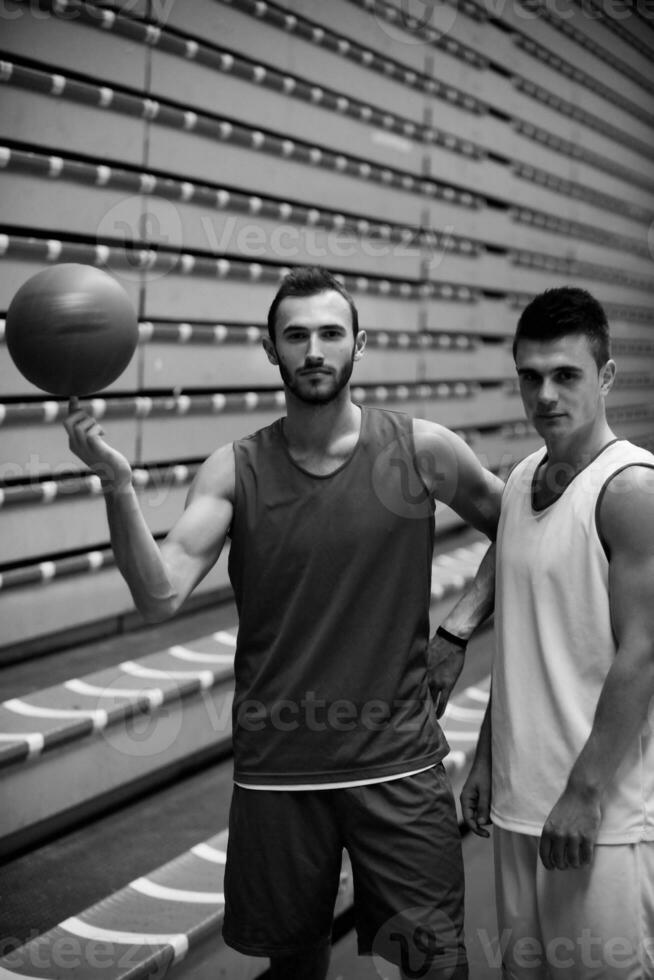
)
(85, 438)
(476, 798)
(445, 660)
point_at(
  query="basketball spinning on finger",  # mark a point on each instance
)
(71, 330)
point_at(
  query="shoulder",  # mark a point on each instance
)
(385, 420)
(449, 467)
(435, 444)
(217, 475)
(261, 440)
(432, 436)
(625, 508)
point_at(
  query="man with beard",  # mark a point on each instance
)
(330, 511)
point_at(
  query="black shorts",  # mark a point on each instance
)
(284, 859)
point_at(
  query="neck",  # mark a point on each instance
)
(579, 449)
(315, 427)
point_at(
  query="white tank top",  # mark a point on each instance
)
(554, 648)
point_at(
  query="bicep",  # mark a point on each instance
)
(478, 497)
(631, 594)
(196, 540)
(203, 526)
(458, 478)
(627, 526)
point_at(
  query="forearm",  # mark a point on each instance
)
(138, 556)
(619, 718)
(477, 602)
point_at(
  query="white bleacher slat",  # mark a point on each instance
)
(526, 63)
(505, 92)
(32, 449)
(57, 124)
(585, 19)
(67, 43)
(235, 31)
(67, 603)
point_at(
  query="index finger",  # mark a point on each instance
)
(441, 704)
(586, 851)
(544, 848)
(73, 404)
(572, 848)
(470, 811)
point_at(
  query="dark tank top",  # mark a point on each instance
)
(332, 578)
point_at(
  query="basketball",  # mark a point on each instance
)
(71, 329)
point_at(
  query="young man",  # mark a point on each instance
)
(336, 742)
(565, 761)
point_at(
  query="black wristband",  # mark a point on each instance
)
(458, 641)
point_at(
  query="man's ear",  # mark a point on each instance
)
(269, 348)
(359, 344)
(607, 377)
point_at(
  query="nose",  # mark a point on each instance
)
(547, 393)
(314, 354)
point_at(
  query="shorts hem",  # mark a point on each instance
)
(365, 948)
(270, 780)
(274, 951)
(445, 967)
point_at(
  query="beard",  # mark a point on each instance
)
(307, 390)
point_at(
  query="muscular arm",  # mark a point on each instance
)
(160, 577)
(455, 476)
(476, 603)
(626, 521)
(445, 659)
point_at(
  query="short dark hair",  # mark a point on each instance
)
(309, 281)
(563, 311)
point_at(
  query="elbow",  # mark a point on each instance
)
(153, 616)
(157, 611)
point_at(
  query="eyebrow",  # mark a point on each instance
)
(322, 326)
(573, 368)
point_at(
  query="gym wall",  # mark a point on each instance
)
(448, 160)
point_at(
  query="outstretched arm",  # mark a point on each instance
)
(626, 521)
(160, 578)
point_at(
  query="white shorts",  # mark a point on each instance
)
(590, 923)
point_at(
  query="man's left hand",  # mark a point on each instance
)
(570, 831)
(445, 661)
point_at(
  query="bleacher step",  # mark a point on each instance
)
(72, 745)
(171, 915)
(169, 919)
